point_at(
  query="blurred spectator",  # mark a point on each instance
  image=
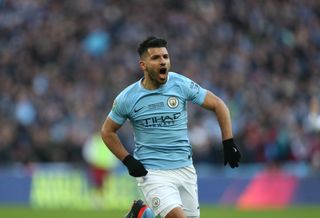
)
(100, 162)
(314, 115)
(61, 63)
(96, 43)
(24, 110)
(313, 127)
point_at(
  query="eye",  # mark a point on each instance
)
(155, 57)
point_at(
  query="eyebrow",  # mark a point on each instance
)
(158, 55)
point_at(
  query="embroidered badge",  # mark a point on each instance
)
(155, 202)
(173, 102)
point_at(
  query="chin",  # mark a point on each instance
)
(163, 81)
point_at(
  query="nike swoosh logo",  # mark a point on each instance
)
(137, 110)
(235, 150)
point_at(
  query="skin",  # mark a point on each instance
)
(150, 63)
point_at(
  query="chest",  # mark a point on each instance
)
(161, 105)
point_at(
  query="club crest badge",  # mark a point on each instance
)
(173, 102)
(155, 202)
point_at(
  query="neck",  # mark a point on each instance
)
(147, 83)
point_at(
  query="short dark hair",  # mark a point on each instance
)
(151, 42)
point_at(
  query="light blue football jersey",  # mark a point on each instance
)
(159, 120)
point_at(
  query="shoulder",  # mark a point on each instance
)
(179, 79)
(129, 91)
(176, 76)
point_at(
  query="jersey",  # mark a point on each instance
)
(159, 120)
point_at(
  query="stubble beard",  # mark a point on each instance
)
(153, 77)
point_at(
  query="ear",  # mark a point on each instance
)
(142, 65)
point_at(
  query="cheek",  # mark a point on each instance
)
(150, 68)
(152, 74)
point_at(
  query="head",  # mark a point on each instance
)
(154, 60)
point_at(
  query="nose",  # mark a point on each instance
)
(163, 62)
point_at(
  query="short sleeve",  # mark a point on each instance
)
(118, 112)
(193, 91)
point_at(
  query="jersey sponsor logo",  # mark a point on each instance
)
(173, 102)
(160, 121)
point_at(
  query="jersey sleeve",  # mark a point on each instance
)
(118, 112)
(193, 91)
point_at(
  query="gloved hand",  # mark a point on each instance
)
(135, 167)
(231, 153)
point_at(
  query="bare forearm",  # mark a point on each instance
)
(215, 104)
(224, 120)
(114, 144)
(231, 152)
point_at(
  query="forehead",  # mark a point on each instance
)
(157, 51)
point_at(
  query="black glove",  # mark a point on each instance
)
(135, 167)
(231, 153)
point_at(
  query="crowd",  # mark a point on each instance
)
(63, 62)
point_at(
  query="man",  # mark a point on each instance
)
(100, 164)
(156, 108)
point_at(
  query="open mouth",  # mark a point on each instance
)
(163, 74)
(163, 71)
